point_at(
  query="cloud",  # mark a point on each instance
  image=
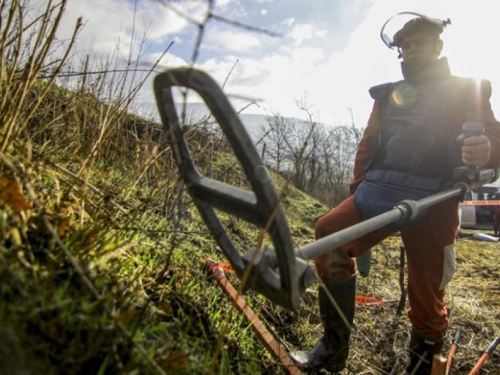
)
(230, 40)
(330, 50)
(279, 70)
(117, 23)
(288, 22)
(169, 60)
(224, 3)
(304, 32)
(231, 9)
(301, 33)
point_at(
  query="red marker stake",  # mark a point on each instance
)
(453, 349)
(485, 357)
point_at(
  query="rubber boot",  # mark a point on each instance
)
(332, 350)
(422, 351)
(363, 263)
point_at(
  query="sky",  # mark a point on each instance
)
(325, 54)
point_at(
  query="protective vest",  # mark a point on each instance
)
(420, 125)
(417, 150)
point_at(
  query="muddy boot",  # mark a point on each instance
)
(332, 350)
(421, 352)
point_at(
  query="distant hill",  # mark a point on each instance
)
(252, 122)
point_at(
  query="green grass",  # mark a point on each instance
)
(125, 290)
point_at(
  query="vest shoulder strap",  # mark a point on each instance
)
(380, 92)
(480, 88)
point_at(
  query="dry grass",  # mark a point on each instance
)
(381, 335)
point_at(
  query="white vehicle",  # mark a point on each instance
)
(478, 207)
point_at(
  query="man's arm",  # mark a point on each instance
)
(367, 146)
(484, 149)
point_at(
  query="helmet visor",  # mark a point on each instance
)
(397, 22)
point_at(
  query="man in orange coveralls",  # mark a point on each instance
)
(409, 150)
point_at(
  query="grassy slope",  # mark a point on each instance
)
(124, 290)
(104, 274)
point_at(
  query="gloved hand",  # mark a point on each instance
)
(475, 150)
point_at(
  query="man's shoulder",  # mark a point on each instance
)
(482, 86)
(381, 91)
(460, 84)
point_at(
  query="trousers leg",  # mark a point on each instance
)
(430, 249)
(338, 263)
(337, 269)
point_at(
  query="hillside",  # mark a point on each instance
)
(102, 272)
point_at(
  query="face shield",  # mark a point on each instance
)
(398, 22)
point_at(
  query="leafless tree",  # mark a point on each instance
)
(276, 140)
(317, 158)
(338, 153)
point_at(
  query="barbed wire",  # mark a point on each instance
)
(210, 15)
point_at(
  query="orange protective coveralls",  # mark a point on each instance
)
(429, 243)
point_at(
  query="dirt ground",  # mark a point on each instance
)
(381, 332)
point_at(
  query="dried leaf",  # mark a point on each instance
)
(63, 226)
(174, 360)
(15, 237)
(126, 317)
(11, 194)
(166, 308)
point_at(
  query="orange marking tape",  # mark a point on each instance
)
(480, 203)
(363, 300)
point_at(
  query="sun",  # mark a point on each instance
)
(469, 41)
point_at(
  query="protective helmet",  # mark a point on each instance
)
(421, 22)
